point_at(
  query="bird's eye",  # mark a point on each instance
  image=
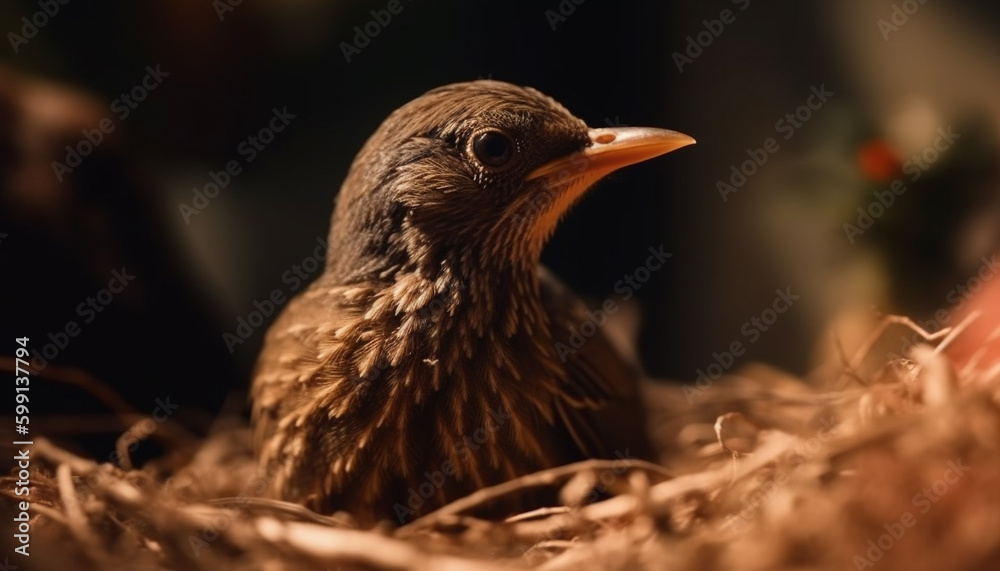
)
(492, 148)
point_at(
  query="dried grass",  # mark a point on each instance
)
(761, 471)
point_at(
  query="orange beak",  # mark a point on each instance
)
(565, 179)
(612, 149)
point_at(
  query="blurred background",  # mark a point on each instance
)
(118, 122)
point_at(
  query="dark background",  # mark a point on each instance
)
(607, 62)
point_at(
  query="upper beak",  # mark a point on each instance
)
(613, 148)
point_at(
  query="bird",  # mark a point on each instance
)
(431, 357)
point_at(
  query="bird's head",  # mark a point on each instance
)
(483, 169)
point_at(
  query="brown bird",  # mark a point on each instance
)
(432, 356)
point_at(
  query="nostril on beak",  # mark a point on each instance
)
(605, 138)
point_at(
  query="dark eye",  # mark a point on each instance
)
(492, 148)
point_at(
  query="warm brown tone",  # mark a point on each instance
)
(425, 355)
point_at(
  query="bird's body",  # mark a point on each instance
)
(433, 356)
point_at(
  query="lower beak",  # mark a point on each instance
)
(565, 179)
(610, 150)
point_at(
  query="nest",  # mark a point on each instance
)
(879, 463)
